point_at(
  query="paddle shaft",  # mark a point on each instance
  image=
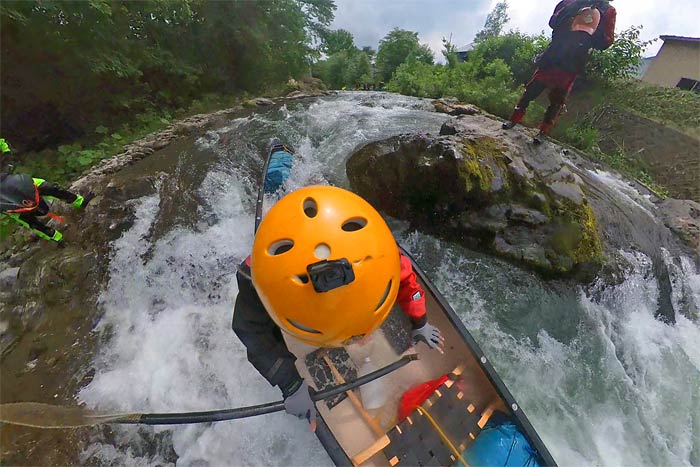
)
(261, 409)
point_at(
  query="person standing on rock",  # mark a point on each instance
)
(23, 199)
(291, 284)
(577, 27)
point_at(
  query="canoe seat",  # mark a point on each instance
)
(435, 433)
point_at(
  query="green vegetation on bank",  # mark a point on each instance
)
(347, 66)
(64, 164)
(674, 107)
(584, 137)
(67, 162)
(70, 69)
(671, 107)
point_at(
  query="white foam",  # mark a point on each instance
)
(626, 192)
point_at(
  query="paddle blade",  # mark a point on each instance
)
(40, 415)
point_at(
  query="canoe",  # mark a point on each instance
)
(278, 165)
(465, 416)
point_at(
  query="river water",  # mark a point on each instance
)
(602, 381)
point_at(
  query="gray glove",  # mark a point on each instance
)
(430, 335)
(299, 403)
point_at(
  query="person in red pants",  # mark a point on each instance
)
(577, 27)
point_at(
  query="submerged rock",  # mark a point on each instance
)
(487, 189)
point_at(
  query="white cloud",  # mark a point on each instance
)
(370, 20)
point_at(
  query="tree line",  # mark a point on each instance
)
(70, 68)
(406, 66)
(347, 66)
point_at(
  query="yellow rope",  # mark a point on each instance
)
(442, 434)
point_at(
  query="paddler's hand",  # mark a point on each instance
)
(431, 336)
(297, 401)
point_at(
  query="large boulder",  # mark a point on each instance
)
(487, 189)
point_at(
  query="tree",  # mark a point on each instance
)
(347, 68)
(516, 49)
(449, 51)
(370, 52)
(71, 66)
(396, 47)
(338, 40)
(359, 72)
(494, 22)
(622, 59)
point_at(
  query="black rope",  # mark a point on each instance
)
(510, 451)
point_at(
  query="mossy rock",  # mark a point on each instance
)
(459, 187)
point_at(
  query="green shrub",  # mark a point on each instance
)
(487, 85)
(415, 78)
(581, 137)
(517, 50)
(621, 60)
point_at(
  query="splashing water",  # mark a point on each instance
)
(601, 380)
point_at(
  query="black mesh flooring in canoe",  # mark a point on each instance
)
(417, 441)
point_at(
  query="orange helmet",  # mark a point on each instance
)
(325, 265)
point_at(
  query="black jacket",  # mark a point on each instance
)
(267, 350)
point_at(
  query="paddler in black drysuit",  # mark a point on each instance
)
(321, 303)
(577, 27)
(23, 199)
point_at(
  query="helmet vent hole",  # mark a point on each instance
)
(384, 297)
(303, 278)
(310, 208)
(354, 224)
(303, 328)
(280, 247)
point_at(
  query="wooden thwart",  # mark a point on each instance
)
(365, 455)
(354, 399)
(487, 414)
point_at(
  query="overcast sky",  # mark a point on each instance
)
(370, 20)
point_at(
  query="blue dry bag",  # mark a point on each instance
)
(278, 170)
(500, 444)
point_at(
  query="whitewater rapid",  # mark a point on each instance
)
(602, 381)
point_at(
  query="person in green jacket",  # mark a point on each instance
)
(23, 199)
